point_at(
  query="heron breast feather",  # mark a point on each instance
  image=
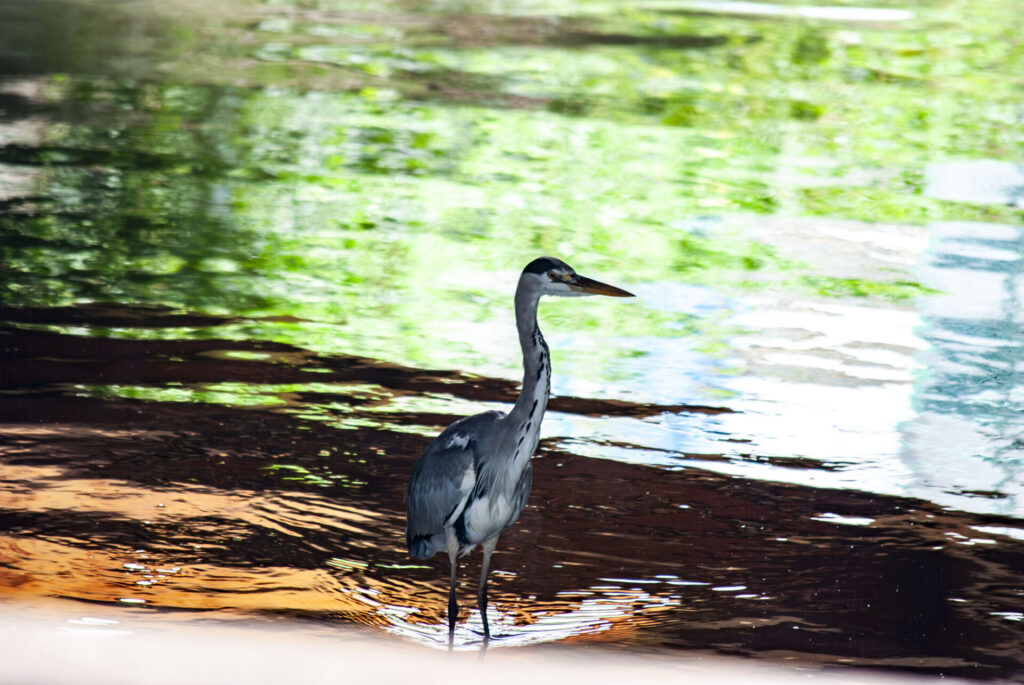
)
(487, 516)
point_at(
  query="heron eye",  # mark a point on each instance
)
(552, 276)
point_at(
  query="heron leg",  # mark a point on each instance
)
(481, 595)
(453, 607)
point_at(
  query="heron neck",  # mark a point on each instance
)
(533, 398)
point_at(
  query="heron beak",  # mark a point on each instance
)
(591, 287)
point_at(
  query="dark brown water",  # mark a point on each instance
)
(260, 510)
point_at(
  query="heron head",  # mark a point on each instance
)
(552, 276)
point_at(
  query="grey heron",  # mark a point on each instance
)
(472, 481)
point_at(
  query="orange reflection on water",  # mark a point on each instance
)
(36, 568)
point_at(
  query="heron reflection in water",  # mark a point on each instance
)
(472, 481)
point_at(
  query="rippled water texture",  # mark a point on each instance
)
(254, 255)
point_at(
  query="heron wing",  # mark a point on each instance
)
(442, 482)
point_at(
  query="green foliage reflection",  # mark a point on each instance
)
(352, 174)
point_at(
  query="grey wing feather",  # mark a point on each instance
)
(442, 482)
(523, 491)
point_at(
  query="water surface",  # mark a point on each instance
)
(253, 256)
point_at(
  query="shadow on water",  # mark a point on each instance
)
(260, 503)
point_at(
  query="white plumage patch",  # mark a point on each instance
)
(459, 441)
(485, 517)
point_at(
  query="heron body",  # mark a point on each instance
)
(472, 481)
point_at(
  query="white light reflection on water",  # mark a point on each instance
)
(825, 381)
(983, 181)
(610, 604)
(830, 517)
(918, 401)
(1015, 533)
(599, 609)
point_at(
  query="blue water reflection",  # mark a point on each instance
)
(967, 440)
